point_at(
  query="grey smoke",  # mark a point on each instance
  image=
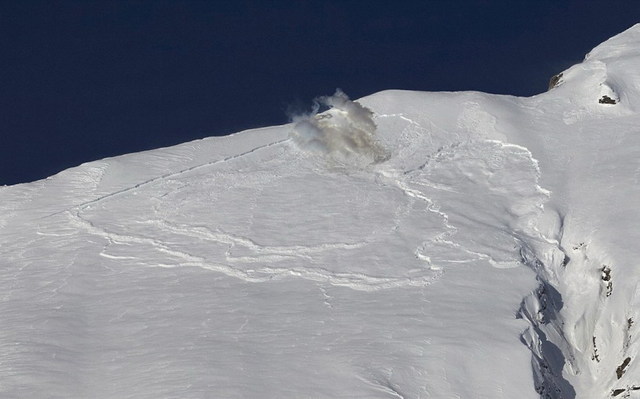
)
(344, 133)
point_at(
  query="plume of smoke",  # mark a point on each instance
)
(345, 132)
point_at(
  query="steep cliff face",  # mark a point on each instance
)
(584, 136)
(592, 167)
(406, 245)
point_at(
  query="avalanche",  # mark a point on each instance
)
(405, 245)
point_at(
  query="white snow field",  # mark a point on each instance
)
(407, 245)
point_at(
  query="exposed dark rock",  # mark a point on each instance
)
(606, 278)
(621, 368)
(555, 81)
(606, 100)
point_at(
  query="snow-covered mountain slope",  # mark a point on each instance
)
(407, 245)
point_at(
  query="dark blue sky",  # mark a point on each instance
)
(82, 80)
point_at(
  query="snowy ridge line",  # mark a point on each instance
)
(167, 176)
(355, 281)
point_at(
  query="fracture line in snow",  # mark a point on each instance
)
(204, 233)
(408, 191)
(451, 230)
(355, 281)
(399, 115)
(84, 205)
(402, 116)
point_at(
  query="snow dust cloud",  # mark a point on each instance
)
(344, 133)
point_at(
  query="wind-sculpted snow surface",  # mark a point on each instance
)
(405, 245)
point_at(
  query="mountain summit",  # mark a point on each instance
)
(404, 245)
